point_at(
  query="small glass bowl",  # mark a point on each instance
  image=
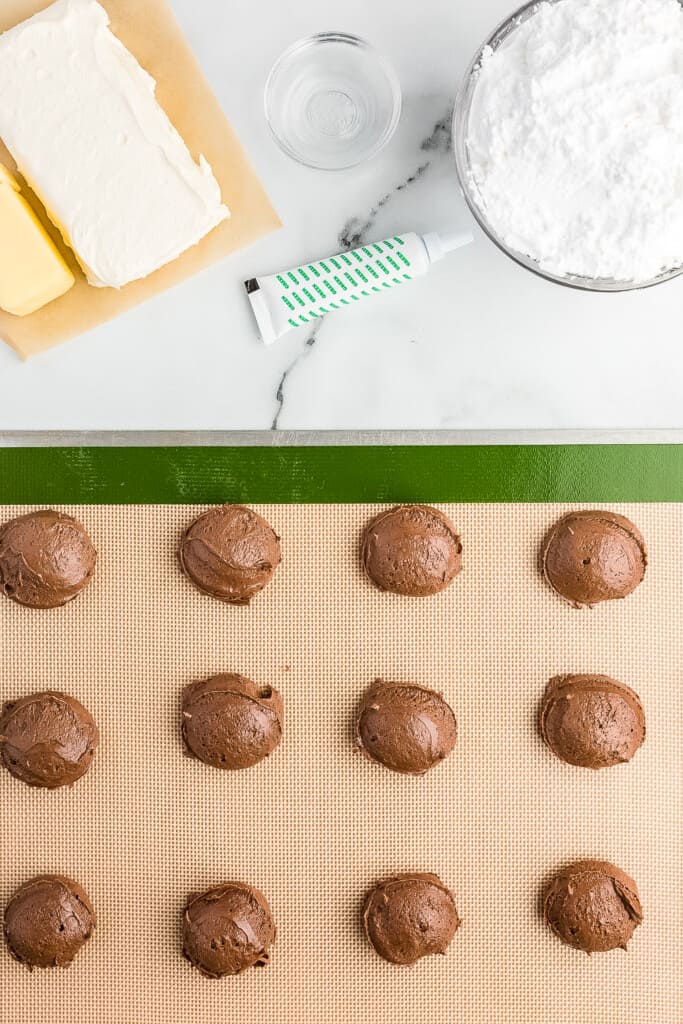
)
(332, 101)
(461, 118)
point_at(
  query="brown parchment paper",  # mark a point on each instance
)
(315, 825)
(149, 30)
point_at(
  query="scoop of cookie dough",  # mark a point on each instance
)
(412, 550)
(405, 727)
(230, 722)
(410, 916)
(230, 552)
(591, 721)
(47, 920)
(46, 559)
(593, 905)
(590, 557)
(47, 739)
(227, 929)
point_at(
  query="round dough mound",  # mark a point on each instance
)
(410, 916)
(406, 728)
(591, 721)
(48, 739)
(590, 557)
(230, 722)
(593, 905)
(47, 920)
(46, 559)
(230, 552)
(227, 929)
(411, 550)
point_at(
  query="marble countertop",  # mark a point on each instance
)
(478, 344)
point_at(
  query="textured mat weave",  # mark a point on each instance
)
(315, 825)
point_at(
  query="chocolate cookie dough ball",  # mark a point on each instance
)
(227, 929)
(47, 921)
(230, 722)
(591, 721)
(48, 739)
(406, 728)
(411, 550)
(410, 916)
(46, 559)
(593, 905)
(230, 552)
(590, 557)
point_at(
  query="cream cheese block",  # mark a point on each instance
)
(80, 117)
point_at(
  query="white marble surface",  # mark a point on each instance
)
(478, 344)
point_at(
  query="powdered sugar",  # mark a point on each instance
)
(575, 137)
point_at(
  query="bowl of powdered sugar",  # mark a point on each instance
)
(568, 137)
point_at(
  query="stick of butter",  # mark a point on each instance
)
(32, 270)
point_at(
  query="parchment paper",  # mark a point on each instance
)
(315, 825)
(149, 30)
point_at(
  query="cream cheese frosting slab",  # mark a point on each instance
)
(80, 117)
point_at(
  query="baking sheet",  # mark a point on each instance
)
(149, 30)
(315, 825)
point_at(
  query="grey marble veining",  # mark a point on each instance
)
(359, 230)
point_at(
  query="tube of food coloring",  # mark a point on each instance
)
(298, 297)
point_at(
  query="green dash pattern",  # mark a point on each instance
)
(350, 273)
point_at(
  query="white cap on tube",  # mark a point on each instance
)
(438, 244)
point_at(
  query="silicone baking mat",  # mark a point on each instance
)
(315, 825)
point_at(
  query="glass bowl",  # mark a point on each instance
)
(332, 101)
(469, 189)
